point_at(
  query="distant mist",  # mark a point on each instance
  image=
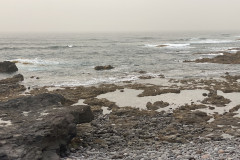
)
(118, 15)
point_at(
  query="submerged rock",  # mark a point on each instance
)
(162, 45)
(108, 67)
(39, 127)
(8, 67)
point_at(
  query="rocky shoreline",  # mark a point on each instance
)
(153, 118)
(226, 58)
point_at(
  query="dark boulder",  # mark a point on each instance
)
(108, 67)
(8, 67)
(39, 127)
(15, 79)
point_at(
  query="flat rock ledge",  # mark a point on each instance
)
(39, 127)
(8, 67)
(226, 58)
(10, 87)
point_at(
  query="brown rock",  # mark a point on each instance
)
(142, 72)
(205, 156)
(188, 117)
(108, 67)
(162, 45)
(215, 99)
(156, 105)
(221, 151)
(153, 91)
(226, 58)
(10, 87)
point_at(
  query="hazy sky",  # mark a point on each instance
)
(118, 15)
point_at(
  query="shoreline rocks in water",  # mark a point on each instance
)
(156, 105)
(39, 127)
(162, 45)
(226, 58)
(107, 67)
(8, 67)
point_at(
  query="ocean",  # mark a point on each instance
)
(68, 59)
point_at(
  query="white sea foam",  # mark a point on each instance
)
(168, 45)
(210, 41)
(177, 45)
(70, 46)
(151, 45)
(213, 54)
(233, 51)
(36, 61)
(95, 81)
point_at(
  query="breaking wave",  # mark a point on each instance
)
(210, 41)
(9, 48)
(35, 61)
(37, 47)
(168, 45)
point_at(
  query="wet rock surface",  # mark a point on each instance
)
(107, 67)
(226, 58)
(11, 87)
(8, 67)
(156, 105)
(39, 127)
(215, 99)
(153, 91)
(184, 132)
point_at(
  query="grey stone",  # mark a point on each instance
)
(45, 132)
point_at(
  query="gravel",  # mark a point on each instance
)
(225, 150)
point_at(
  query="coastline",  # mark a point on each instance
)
(153, 117)
(203, 112)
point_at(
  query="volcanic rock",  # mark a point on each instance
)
(156, 105)
(215, 99)
(8, 67)
(226, 58)
(10, 87)
(108, 67)
(39, 127)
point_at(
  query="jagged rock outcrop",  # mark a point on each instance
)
(39, 127)
(10, 87)
(8, 67)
